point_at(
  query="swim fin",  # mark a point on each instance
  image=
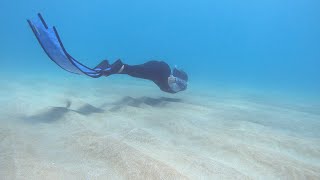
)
(51, 43)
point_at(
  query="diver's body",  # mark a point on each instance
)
(157, 71)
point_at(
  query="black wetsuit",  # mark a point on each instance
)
(156, 71)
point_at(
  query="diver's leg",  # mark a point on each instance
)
(114, 68)
(153, 70)
(156, 71)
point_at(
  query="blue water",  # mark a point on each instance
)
(251, 111)
(267, 44)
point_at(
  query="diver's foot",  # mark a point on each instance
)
(103, 65)
(116, 68)
(121, 69)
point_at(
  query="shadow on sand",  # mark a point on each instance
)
(138, 102)
(57, 113)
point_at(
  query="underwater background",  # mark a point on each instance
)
(261, 44)
(251, 110)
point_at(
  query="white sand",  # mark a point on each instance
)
(113, 131)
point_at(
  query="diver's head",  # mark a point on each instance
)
(180, 74)
(178, 81)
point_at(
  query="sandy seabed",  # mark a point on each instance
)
(117, 129)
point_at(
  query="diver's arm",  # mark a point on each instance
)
(181, 82)
(171, 79)
(176, 83)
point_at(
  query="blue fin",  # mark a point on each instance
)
(50, 41)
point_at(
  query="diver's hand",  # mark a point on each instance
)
(171, 79)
